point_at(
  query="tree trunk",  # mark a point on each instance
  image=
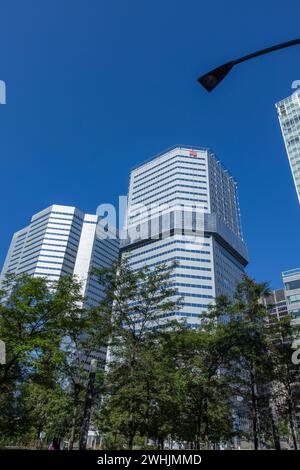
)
(130, 441)
(254, 412)
(131, 421)
(206, 430)
(74, 416)
(87, 412)
(199, 425)
(131, 426)
(39, 441)
(147, 418)
(72, 435)
(291, 418)
(274, 420)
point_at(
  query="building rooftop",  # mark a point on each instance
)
(291, 272)
(186, 147)
(179, 146)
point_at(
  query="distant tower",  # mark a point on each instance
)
(291, 280)
(62, 240)
(276, 304)
(289, 118)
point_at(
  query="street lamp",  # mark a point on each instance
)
(211, 79)
(88, 405)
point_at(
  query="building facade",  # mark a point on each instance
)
(183, 207)
(62, 240)
(291, 280)
(289, 118)
(276, 303)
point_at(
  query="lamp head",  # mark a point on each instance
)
(211, 79)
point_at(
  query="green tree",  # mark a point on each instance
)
(137, 300)
(205, 396)
(286, 375)
(25, 313)
(48, 336)
(247, 325)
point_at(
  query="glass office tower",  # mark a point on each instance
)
(183, 207)
(289, 118)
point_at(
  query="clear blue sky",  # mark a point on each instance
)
(95, 87)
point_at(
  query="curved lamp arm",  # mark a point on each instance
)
(211, 79)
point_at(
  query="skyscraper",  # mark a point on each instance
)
(62, 240)
(183, 207)
(289, 118)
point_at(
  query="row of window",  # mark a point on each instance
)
(200, 296)
(176, 258)
(162, 201)
(111, 253)
(185, 258)
(67, 241)
(109, 243)
(38, 263)
(292, 299)
(34, 254)
(13, 265)
(296, 313)
(193, 286)
(189, 304)
(48, 224)
(203, 260)
(291, 285)
(172, 314)
(16, 253)
(32, 244)
(69, 214)
(19, 243)
(109, 256)
(192, 276)
(176, 171)
(174, 242)
(150, 211)
(231, 259)
(174, 159)
(66, 246)
(101, 261)
(292, 141)
(174, 180)
(176, 185)
(162, 195)
(22, 235)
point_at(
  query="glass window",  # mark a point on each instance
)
(293, 285)
(294, 298)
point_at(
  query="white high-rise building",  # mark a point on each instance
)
(62, 240)
(183, 207)
(289, 118)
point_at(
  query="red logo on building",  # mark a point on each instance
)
(193, 153)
